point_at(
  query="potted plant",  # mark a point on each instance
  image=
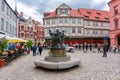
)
(3, 46)
(29, 45)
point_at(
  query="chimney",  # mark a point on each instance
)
(21, 14)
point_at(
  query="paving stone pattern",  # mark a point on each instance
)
(92, 67)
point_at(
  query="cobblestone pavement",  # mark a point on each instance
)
(92, 67)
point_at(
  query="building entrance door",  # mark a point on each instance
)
(118, 39)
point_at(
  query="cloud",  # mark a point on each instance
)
(27, 10)
(36, 8)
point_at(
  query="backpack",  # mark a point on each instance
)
(34, 48)
(40, 47)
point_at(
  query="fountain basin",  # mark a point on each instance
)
(57, 65)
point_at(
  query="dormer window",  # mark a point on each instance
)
(99, 14)
(86, 16)
(63, 11)
(97, 17)
(89, 12)
(106, 18)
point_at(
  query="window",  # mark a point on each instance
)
(53, 21)
(2, 24)
(31, 29)
(108, 24)
(27, 35)
(22, 35)
(22, 28)
(16, 31)
(10, 14)
(60, 21)
(63, 11)
(79, 21)
(73, 30)
(7, 11)
(73, 21)
(101, 32)
(48, 22)
(102, 24)
(6, 29)
(116, 24)
(13, 30)
(89, 12)
(3, 6)
(94, 32)
(94, 24)
(48, 31)
(88, 23)
(116, 10)
(97, 17)
(79, 30)
(106, 18)
(99, 14)
(66, 11)
(86, 16)
(28, 28)
(60, 11)
(30, 22)
(65, 30)
(10, 29)
(66, 21)
(13, 17)
(88, 31)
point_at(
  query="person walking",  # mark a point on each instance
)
(114, 49)
(40, 48)
(99, 47)
(83, 46)
(90, 47)
(86, 46)
(105, 49)
(34, 48)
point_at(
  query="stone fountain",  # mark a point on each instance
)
(57, 58)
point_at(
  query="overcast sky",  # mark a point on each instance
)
(36, 8)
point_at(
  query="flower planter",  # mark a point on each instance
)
(2, 61)
(28, 52)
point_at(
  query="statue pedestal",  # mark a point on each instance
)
(57, 52)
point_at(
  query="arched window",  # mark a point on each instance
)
(22, 35)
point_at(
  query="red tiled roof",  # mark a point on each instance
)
(92, 14)
(52, 14)
(75, 13)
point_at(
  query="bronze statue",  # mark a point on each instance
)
(57, 38)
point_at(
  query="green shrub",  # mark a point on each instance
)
(29, 43)
(3, 44)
